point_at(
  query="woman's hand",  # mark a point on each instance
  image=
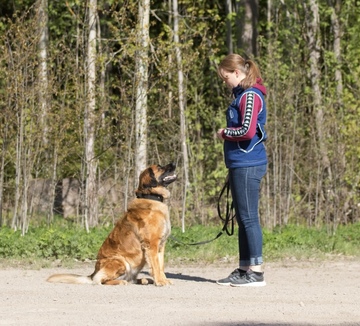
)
(219, 133)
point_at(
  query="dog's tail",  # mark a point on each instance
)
(70, 279)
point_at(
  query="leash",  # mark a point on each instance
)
(228, 219)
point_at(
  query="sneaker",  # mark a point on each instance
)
(235, 275)
(250, 278)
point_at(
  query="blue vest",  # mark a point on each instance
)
(249, 152)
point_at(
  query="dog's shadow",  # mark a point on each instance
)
(180, 276)
(191, 278)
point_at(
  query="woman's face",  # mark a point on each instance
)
(232, 78)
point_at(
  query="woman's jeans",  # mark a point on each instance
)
(245, 190)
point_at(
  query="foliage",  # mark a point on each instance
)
(295, 240)
(297, 188)
(68, 242)
(49, 243)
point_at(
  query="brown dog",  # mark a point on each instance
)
(138, 238)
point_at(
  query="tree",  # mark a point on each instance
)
(22, 113)
(141, 73)
(310, 67)
(43, 70)
(182, 102)
(229, 38)
(90, 121)
(337, 30)
(312, 21)
(247, 25)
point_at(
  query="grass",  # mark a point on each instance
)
(66, 244)
(295, 242)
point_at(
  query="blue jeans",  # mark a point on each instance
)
(245, 191)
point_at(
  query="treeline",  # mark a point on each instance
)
(309, 57)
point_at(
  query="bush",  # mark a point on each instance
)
(63, 242)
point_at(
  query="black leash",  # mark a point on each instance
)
(228, 219)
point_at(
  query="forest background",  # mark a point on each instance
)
(93, 91)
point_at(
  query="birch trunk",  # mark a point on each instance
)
(341, 199)
(170, 60)
(336, 26)
(141, 90)
(90, 188)
(19, 152)
(313, 33)
(313, 25)
(43, 70)
(182, 109)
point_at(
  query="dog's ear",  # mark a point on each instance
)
(147, 179)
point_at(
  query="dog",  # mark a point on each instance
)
(139, 237)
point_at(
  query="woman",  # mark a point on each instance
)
(246, 160)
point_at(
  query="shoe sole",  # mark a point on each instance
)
(253, 284)
(224, 284)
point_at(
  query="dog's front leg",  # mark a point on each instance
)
(155, 259)
(161, 262)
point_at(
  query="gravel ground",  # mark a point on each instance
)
(297, 293)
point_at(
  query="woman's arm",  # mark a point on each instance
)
(250, 106)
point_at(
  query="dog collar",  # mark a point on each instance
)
(151, 196)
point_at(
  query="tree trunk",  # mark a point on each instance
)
(247, 14)
(340, 198)
(313, 32)
(2, 171)
(268, 18)
(335, 23)
(170, 60)
(43, 70)
(90, 161)
(229, 20)
(182, 104)
(19, 152)
(102, 73)
(142, 89)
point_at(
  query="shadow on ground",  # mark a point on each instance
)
(180, 276)
(250, 323)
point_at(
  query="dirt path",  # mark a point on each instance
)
(326, 293)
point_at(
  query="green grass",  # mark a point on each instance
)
(66, 243)
(292, 241)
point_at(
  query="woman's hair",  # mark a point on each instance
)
(234, 61)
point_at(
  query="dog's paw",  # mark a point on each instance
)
(116, 282)
(144, 281)
(163, 282)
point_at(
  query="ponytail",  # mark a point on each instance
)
(252, 73)
(234, 61)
